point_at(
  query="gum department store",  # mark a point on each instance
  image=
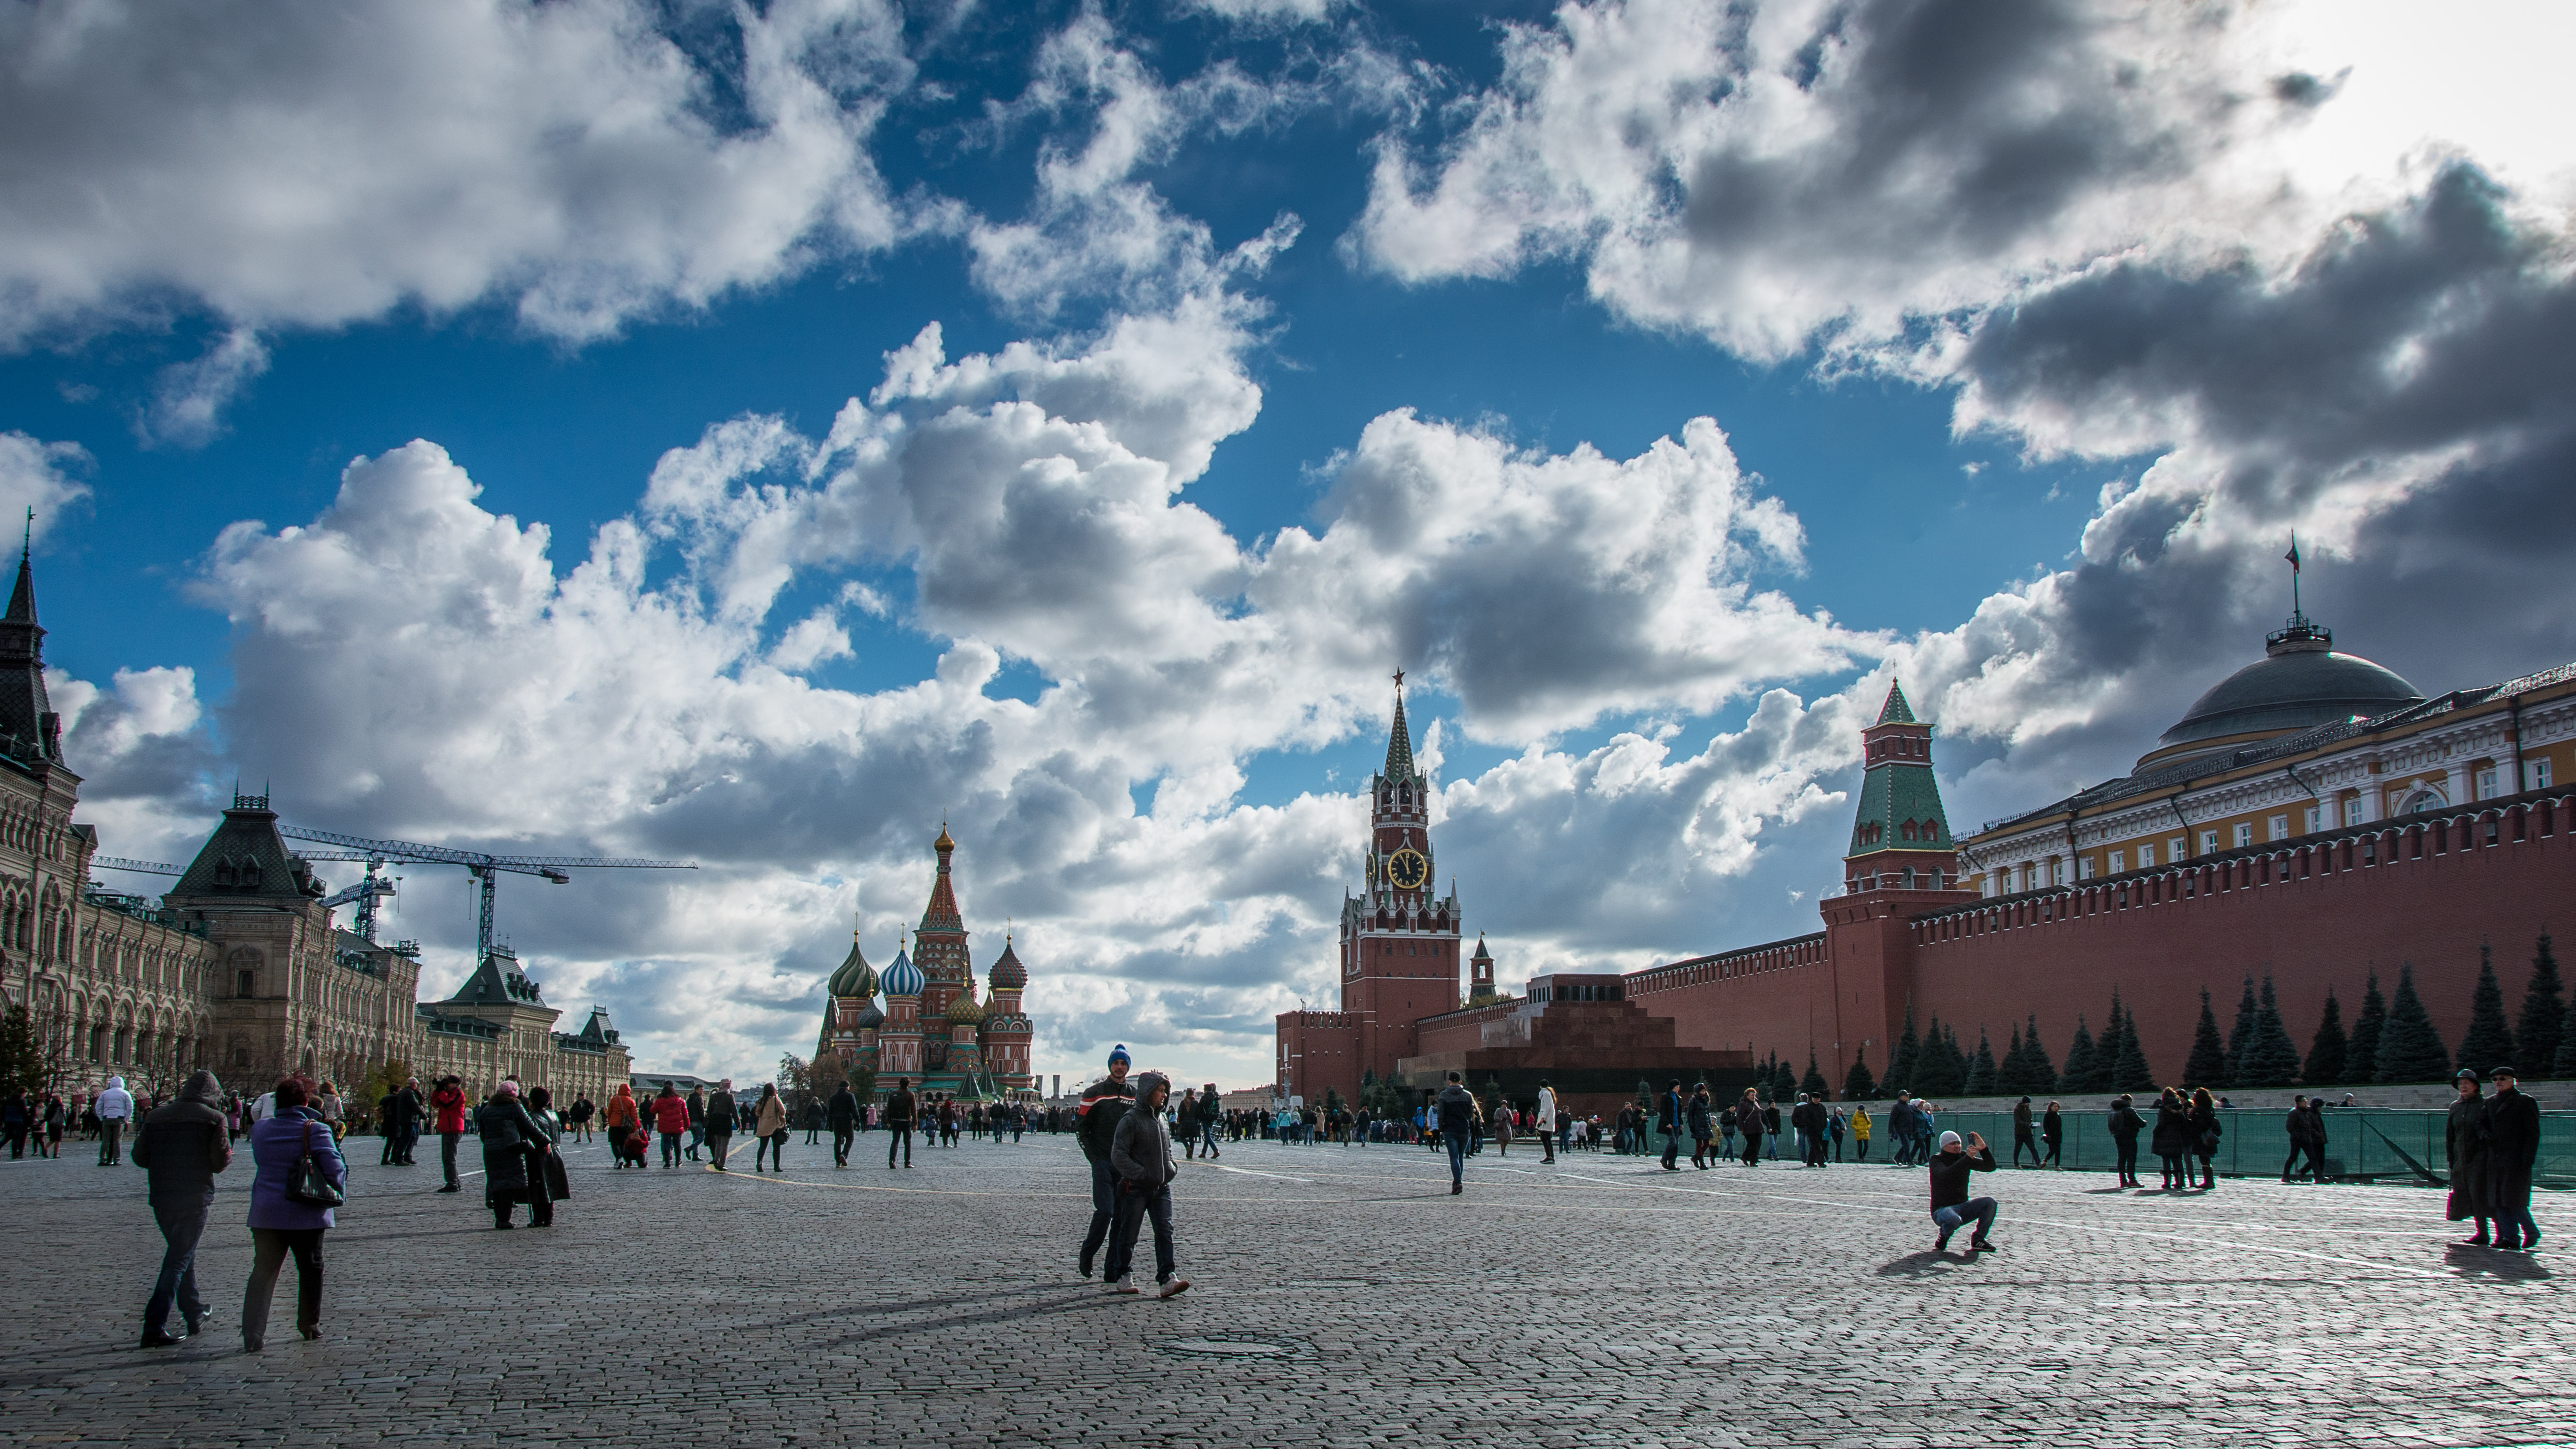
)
(240, 967)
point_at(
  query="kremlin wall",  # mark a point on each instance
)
(2313, 819)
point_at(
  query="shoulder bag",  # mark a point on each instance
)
(305, 1182)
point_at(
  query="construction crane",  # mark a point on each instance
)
(140, 867)
(484, 867)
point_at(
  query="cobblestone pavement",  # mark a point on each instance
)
(1342, 1298)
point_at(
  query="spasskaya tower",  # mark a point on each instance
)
(1399, 940)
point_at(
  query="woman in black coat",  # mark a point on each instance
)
(2204, 1136)
(2172, 1141)
(547, 1182)
(509, 1134)
(2464, 1142)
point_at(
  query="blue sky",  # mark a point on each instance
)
(1279, 345)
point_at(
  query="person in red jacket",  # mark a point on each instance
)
(448, 1104)
(671, 1119)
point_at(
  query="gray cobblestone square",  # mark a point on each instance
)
(1341, 1298)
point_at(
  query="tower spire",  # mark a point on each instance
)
(1399, 739)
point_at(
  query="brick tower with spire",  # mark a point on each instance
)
(939, 950)
(1399, 939)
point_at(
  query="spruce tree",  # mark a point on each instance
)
(1814, 1081)
(2361, 1058)
(2325, 1064)
(1857, 1086)
(2239, 1036)
(2131, 1073)
(1943, 1069)
(2008, 1068)
(1901, 1063)
(2544, 1014)
(2271, 1058)
(2039, 1074)
(2207, 1065)
(2409, 1049)
(2488, 1043)
(1981, 1069)
(22, 1063)
(2078, 1076)
(2565, 1067)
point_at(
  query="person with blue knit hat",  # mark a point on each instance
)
(1096, 1127)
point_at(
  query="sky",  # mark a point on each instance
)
(759, 434)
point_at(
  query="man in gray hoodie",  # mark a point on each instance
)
(182, 1145)
(113, 1108)
(1140, 1157)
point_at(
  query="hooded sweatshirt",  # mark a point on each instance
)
(1141, 1152)
(186, 1142)
(114, 1104)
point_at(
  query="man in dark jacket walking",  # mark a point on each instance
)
(182, 1146)
(398, 1117)
(900, 1112)
(2126, 1124)
(1673, 1113)
(1457, 1118)
(2025, 1134)
(2295, 1125)
(1140, 1154)
(844, 1113)
(1095, 1126)
(2513, 1145)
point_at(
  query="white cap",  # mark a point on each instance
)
(1949, 1140)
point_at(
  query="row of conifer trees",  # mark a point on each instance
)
(2391, 1040)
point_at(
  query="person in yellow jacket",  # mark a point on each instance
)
(769, 1128)
(1860, 1131)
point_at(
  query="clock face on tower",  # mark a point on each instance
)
(1406, 869)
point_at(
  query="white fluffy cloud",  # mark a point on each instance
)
(38, 475)
(322, 163)
(430, 673)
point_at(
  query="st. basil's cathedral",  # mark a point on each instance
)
(931, 1028)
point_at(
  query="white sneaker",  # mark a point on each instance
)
(1171, 1287)
(1122, 1285)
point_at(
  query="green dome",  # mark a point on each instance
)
(855, 977)
(964, 1009)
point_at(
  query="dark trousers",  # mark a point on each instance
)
(719, 1143)
(775, 1145)
(18, 1143)
(110, 1132)
(1104, 1209)
(183, 1221)
(899, 1134)
(1980, 1210)
(2022, 1140)
(1456, 1142)
(841, 1137)
(269, 1249)
(2290, 1164)
(2317, 1161)
(671, 1149)
(447, 1154)
(1752, 1149)
(2051, 1159)
(1133, 1207)
(1860, 1149)
(1672, 1144)
(2128, 1160)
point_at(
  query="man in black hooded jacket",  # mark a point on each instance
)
(182, 1145)
(1096, 1127)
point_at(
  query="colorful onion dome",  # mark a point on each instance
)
(902, 978)
(965, 1009)
(869, 1017)
(855, 976)
(1007, 973)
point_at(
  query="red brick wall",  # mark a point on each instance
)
(2308, 925)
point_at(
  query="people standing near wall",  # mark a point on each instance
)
(2126, 1124)
(2025, 1134)
(2205, 1133)
(1771, 1127)
(2513, 1147)
(2052, 1131)
(1095, 1128)
(2464, 1147)
(2172, 1141)
(1140, 1154)
(1951, 1205)
(1860, 1128)
(1703, 1128)
(1900, 1131)
(901, 1111)
(182, 1146)
(1748, 1116)
(1672, 1114)
(114, 1107)
(2295, 1126)
(2316, 1141)
(279, 1224)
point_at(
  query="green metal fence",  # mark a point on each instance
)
(2363, 1144)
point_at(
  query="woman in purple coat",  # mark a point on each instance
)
(280, 1225)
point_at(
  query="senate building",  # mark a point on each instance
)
(2313, 819)
(240, 966)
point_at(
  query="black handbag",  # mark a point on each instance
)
(305, 1182)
